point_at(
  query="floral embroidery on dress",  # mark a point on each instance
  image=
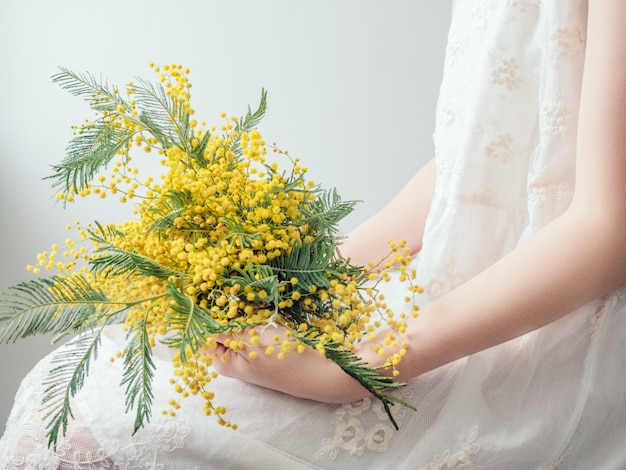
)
(555, 117)
(570, 40)
(480, 16)
(481, 198)
(506, 74)
(445, 117)
(452, 52)
(362, 426)
(525, 5)
(444, 280)
(378, 437)
(500, 148)
(351, 435)
(348, 436)
(457, 460)
(77, 449)
(564, 192)
(539, 193)
(444, 169)
(42, 458)
(167, 434)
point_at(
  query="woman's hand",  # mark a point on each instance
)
(307, 374)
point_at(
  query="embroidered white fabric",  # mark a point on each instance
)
(555, 398)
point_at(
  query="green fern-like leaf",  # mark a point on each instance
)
(95, 145)
(65, 380)
(197, 152)
(367, 376)
(138, 374)
(58, 305)
(95, 91)
(164, 117)
(89, 152)
(169, 209)
(310, 263)
(238, 234)
(252, 120)
(327, 210)
(104, 234)
(190, 324)
(249, 122)
(258, 277)
(113, 261)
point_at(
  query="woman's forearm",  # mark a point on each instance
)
(403, 218)
(579, 256)
(570, 262)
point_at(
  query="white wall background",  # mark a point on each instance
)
(352, 89)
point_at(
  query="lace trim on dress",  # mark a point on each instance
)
(458, 460)
(144, 450)
(77, 450)
(362, 426)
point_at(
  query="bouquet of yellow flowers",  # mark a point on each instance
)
(224, 241)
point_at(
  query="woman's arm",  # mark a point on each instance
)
(576, 258)
(310, 375)
(403, 217)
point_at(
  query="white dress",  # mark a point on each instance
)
(555, 398)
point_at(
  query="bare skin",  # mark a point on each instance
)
(582, 253)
